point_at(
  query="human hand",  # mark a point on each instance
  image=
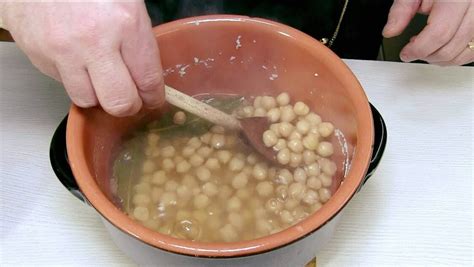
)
(445, 38)
(104, 53)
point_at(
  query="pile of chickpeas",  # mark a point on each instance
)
(213, 187)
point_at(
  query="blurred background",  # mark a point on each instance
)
(389, 50)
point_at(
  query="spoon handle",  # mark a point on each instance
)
(200, 109)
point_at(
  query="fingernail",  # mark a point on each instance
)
(390, 23)
(405, 58)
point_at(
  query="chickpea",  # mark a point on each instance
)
(243, 193)
(316, 207)
(285, 129)
(309, 157)
(143, 187)
(324, 194)
(268, 102)
(194, 142)
(212, 164)
(301, 109)
(283, 99)
(260, 171)
(214, 223)
(201, 201)
(141, 213)
(148, 166)
(314, 183)
(325, 149)
(295, 135)
(284, 176)
(283, 156)
(228, 233)
(327, 166)
(234, 204)
(236, 220)
(204, 151)
(225, 192)
(248, 170)
(295, 145)
(167, 164)
(151, 224)
(287, 114)
(311, 141)
(252, 159)
(286, 217)
(179, 118)
(257, 102)
(295, 159)
(210, 189)
(260, 112)
(188, 151)
(196, 160)
(313, 118)
(236, 164)
(325, 129)
(274, 206)
(273, 114)
(224, 156)
(206, 138)
(168, 151)
(153, 139)
(269, 138)
(183, 215)
(159, 178)
(171, 186)
(275, 127)
(183, 192)
(313, 169)
(203, 173)
(217, 141)
(177, 159)
(302, 126)
(264, 227)
(300, 175)
(291, 203)
(200, 216)
(310, 197)
(189, 181)
(264, 189)
(183, 167)
(296, 190)
(326, 180)
(188, 229)
(141, 200)
(248, 111)
(168, 198)
(240, 180)
(281, 144)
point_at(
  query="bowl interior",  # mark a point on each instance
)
(242, 56)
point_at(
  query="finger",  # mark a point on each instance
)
(141, 55)
(400, 15)
(466, 57)
(443, 21)
(458, 43)
(114, 87)
(426, 6)
(78, 86)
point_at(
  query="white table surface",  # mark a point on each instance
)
(416, 210)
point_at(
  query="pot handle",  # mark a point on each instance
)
(380, 141)
(60, 162)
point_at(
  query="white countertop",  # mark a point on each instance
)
(416, 210)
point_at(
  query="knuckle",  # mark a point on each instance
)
(58, 42)
(126, 18)
(149, 82)
(120, 108)
(446, 55)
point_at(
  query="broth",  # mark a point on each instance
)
(184, 177)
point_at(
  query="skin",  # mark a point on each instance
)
(105, 53)
(444, 40)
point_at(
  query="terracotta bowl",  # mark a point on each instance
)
(230, 55)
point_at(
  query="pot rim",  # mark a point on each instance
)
(361, 158)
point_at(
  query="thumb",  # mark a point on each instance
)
(400, 15)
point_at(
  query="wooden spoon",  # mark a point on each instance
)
(251, 128)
